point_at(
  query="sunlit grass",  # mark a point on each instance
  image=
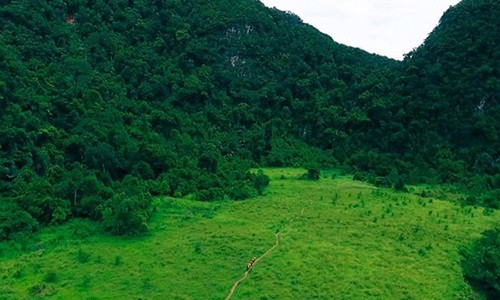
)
(350, 240)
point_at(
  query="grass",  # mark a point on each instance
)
(350, 240)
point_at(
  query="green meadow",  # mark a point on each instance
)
(340, 239)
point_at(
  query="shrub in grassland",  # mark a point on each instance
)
(41, 290)
(82, 256)
(50, 277)
(312, 174)
(117, 261)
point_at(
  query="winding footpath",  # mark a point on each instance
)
(276, 244)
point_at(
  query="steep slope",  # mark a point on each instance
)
(439, 119)
(106, 103)
(453, 83)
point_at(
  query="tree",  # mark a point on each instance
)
(125, 214)
(481, 263)
(15, 223)
(260, 181)
(313, 174)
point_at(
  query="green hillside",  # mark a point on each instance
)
(112, 111)
(452, 83)
(175, 98)
(105, 104)
(340, 239)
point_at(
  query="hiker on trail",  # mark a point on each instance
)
(251, 263)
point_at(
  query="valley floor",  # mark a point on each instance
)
(340, 239)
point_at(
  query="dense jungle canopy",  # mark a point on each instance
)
(105, 104)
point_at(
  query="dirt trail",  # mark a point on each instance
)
(276, 244)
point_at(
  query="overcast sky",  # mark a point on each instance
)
(387, 27)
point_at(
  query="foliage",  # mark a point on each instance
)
(481, 263)
(126, 213)
(14, 222)
(187, 97)
(312, 174)
(260, 181)
(41, 290)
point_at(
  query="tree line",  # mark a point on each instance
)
(134, 99)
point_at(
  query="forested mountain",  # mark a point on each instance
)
(106, 103)
(454, 83)
(450, 95)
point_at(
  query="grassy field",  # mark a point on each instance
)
(346, 240)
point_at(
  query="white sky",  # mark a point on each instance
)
(387, 27)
